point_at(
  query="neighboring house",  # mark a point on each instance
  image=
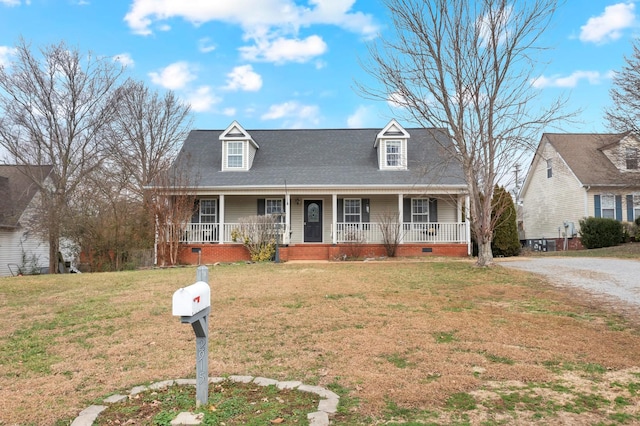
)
(573, 176)
(331, 186)
(21, 251)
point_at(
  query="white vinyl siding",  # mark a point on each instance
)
(547, 203)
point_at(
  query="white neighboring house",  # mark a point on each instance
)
(21, 251)
(577, 175)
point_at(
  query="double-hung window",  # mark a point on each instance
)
(393, 153)
(608, 206)
(208, 211)
(420, 210)
(636, 205)
(632, 158)
(273, 206)
(352, 210)
(235, 155)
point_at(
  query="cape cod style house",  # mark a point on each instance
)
(330, 188)
(573, 176)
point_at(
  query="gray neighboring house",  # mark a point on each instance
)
(330, 188)
(577, 175)
(20, 250)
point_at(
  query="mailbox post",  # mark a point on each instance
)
(193, 305)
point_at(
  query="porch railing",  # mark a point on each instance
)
(410, 232)
(362, 233)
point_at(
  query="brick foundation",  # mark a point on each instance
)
(212, 253)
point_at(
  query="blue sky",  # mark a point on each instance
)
(293, 63)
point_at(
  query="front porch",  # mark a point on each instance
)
(331, 226)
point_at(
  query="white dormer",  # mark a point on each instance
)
(238, 149)
(391, 144)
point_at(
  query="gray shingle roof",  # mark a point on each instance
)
(320, 157)
(17, 190)
(583, 154)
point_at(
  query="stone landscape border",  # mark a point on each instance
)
(327, 407)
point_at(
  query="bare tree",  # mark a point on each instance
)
(172, 205)
(392, 232)
(466, 67)
(55, 105)
(624, 115)
(147, 132)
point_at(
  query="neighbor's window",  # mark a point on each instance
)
(420, 210)
(608, 206)
(234, 154)
(636, 205)
(274, 206)
(549, 168)
(208, 211)
(393, 153)
(352, 210)
(632, 158)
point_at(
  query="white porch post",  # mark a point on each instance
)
(334, 218)
(221, 219)
(401, 217)
(287, 219)
(468, 219)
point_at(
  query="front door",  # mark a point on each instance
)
(312, 221)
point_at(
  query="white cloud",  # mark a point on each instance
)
(572, 80)
(273, 25)
(6, 53)
(251, 14)
(205, 45)
(202, 99)
(10, 2)
(244, 78)
(174, 76)
(362, 117)
(281, 50)
(229, 112)
(294, 114)
(609, 25)
(125, 59)
(396, 100)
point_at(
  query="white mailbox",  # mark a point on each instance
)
(188, 301)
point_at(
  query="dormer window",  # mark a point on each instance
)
(235, 155)
(391, 144)
(632, 158)
(238, 148)
(393, 153)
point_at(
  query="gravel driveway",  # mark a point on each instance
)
(617, 278)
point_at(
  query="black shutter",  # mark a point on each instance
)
(365, 210)
(630, 217)
(340, 218)
(619, 208)
(406, 210)
(433, 209)
(596, 205)
(261, 207)
(195, 216)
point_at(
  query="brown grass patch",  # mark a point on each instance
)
(413, 333)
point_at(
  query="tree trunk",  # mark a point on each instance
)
(485, 254)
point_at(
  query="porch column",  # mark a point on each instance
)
(468, 220)
(334, 218)
(287, 219)
(401, 217)
(221, 219)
